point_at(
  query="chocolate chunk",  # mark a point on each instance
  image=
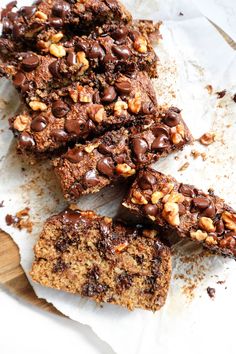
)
(71, 59)
(59, 266)
(123, 86)
(28, 11)
(17, 31)
(124, 281)
(19, 79)
(61, 9)
(56, 22)
(109, 58)
(90, 179)
(186, 190)
(147, 180)
(161, 142)
(54, 68)
(182, 209)
(109, 94)
(38, 124)
(201, 202)
(74, 155)
(59, 135)
(30, 62)
(96, 52)
(210, 211)
(119, 34)
(150, 209)
(74, 126)
(59, 109)
(220, 228)
(106, 166)
(121, 51)
(71, 217)
(172, 117)
(139, 147)
(105, 149)
(26, 141)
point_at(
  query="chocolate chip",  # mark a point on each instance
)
(17, 31)
(124, 281)
(30, 62)
(105, 149)
(210, 211)
(38, 124)
(147, 180)
(54, 68)
(119, 33)
(56, 22)
(121, 51)
(28, 11)
(161, 142)
(148, 108)
(74, 155)
(59, 266)
(75, 126)
(59, 109)
(19, 79)
(139, 147)
(109, 58)
(81, 45)
(59, 135)
(109, 94)
(201, 202)
(186, 190)
(123, 86)
(71, 59)
(220, 228)
(96, 52)
(106, 166)
(61, 9)
(26, 141)
(160, 130)
(90, 179)
(182, 209)
(6, 26)
(150, 209)
(5, 12)
(172, 117)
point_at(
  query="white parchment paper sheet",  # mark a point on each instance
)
(193, 55)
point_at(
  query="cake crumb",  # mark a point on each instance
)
(184, 167)
(181, 14)
(21, 220)
(220, 282)
(207, 138)
(2, 204)
(209, 89)
(211, 292)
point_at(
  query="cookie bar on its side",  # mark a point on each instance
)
(119, 154)
(93, 256)
(183, 208)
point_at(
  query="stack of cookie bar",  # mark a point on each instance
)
(83, 70)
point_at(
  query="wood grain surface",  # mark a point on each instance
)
(12, 275)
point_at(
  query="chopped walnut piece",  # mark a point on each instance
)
(140, 44)
(229, 220)
(135, 103)
(38, 106)
(82, 60)
(211, 241)
(120, 107)
(138, 198)
(85, 97)
(41, 15)
(207, 138)
(90, 147)
(125, 170)
(150, 233)
(21, 122)
(57, 37)
(97, 113)
(57, 50)
(199, 235)
(206, 224)
(173, 197)
(171, 213)
(74, 95)
(156, 196)
(167, 188)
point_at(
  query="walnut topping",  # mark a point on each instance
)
(21, 122)
(171, 213)
(125, 170)
(207, 138)
(97, 113)
(74, 95)
(38, 106)
(57, 50)
(40, 15)
(173, 197)
(156, 196)
(140, 44)
(206, 224)
(135, 103)
(177, 134)
(138, 198)
(167, 188)
(89, 148)
(211, 241)
(150, 233)
(230, 220)
(120, 107)
(57, 37)
(85, 97)
(198, 235)
(81, 58)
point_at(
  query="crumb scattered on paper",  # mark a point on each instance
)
(196, 154)
(221, 94)
(184, 167)
(2, 204)
(207, 138)
(209, 89)
(211, 292)
(21, 220)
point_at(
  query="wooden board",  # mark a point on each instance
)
(12, 275)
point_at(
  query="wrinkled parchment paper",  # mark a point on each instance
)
(193, 55)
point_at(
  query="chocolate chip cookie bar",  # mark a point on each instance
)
(106, 261)
(183, 208)
(119, 154)
(34, 25)
(81, 111)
